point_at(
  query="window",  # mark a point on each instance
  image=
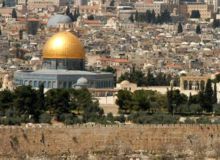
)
(35, 83)
(49, 84)
(64, 85)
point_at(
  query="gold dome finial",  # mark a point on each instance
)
(63, 45)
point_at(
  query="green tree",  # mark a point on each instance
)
(41, 97)
(153, 16)
(131, 18)
(215, 99)
(136, 76)
(198, 29)
(77, 12)
(112, 3)
(190, 99)
(80, 99)
(148, 16)
(180, 28)
(25, 101)
(136, 16)
(170, 100)
(57, 101)
(215, 23)
(165, 16)
(6, 100)
(33, 27)
(150, 79)
(208, 97)
(179, 98)
(109, 69)
(141, 100)
(14, 13)
(67, 12)
(217, 78)
(159, 19)
(20, 34)
(124, 101)
(3, 3)
(175, 99)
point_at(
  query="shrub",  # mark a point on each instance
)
(203, 120)
(120, 118)
(145, 118)
(184, 108)
(189, 121)
(110, 117)
(11, 121)
(45, 118)
(69, 119)
(195, 108)
(217, 121)
(216, 108)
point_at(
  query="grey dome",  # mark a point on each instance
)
(82, 81)
(55, 20)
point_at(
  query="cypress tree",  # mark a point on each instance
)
(67, 11)
(215, 99)
(208, 95)
(180, 28)
(198, 29)
(14, 13)
(215, 23)
(153, 16)
(112, 3)
(3, 4)
(170, 100)
(77, 12)
(136, 17)
(148, 16)
(41, 98)
(20, 34)
(190, 99)
(131, 18)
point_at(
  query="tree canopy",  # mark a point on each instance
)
(150, 17)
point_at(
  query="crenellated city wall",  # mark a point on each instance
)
(53, 141)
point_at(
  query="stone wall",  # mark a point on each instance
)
(54, 141)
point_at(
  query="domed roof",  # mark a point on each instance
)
(55, 20)
(63, 45)
(125, 82)
(82, 81)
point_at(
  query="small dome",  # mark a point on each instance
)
(82, 81)
(125, 82)
(35, 58)
(55, 20)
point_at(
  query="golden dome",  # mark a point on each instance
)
(63, 45)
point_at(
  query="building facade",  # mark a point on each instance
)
(206, 11)
(42, 3)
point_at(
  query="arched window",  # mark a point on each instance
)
(190, 85)
(185, 85)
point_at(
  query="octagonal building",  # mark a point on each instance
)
(64, 67)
